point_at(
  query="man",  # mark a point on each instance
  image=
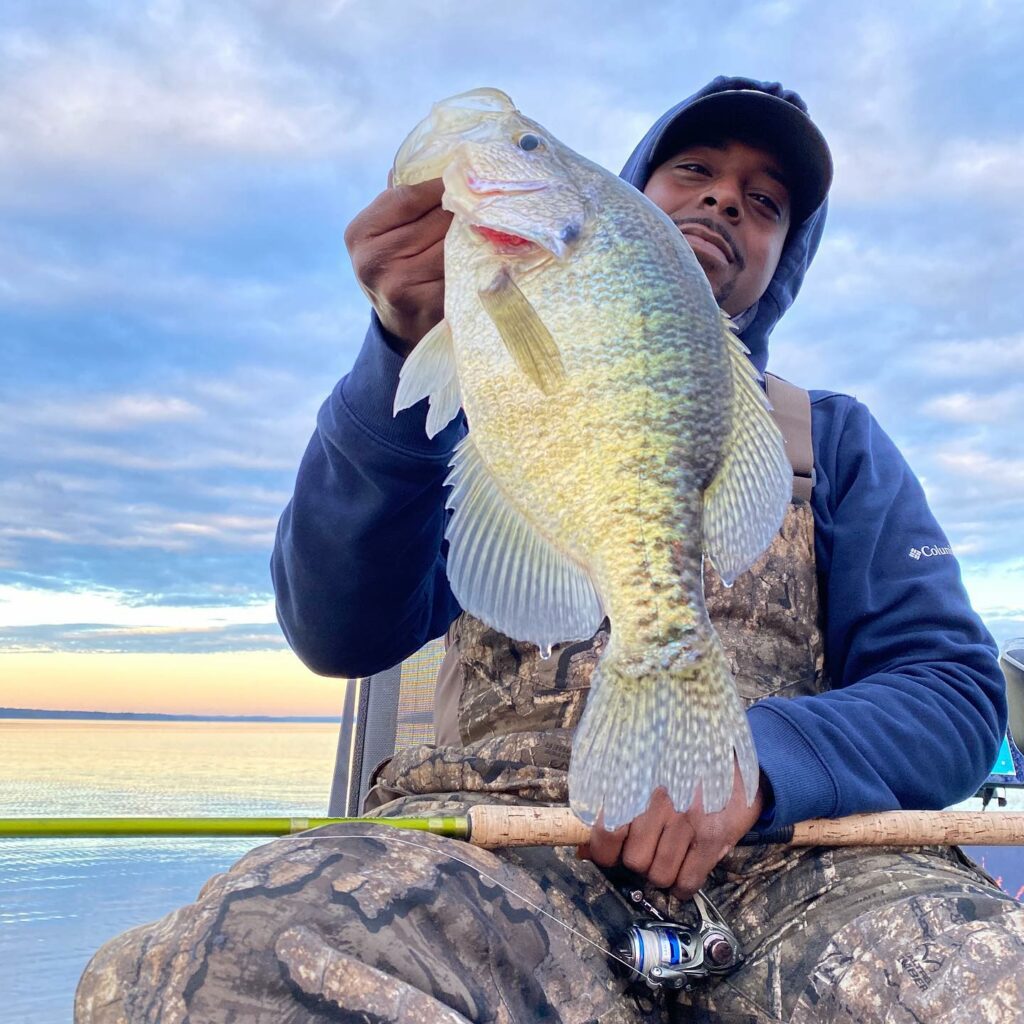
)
(358, 592)
(870, 683)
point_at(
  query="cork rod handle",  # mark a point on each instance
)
(913, 828)
(493, 826)
(510, 825)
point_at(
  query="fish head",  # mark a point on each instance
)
(428, 148)
(516, 188)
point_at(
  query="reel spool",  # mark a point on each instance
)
(665, 954)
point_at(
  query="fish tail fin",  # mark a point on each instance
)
(677, 727)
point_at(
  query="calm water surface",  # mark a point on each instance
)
(60, 899)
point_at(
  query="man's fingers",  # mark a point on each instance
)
(605, 847)
(668, 859)
(431, 261)
(423, 240)
(404, 204)
(395, 208)
(701, 857)
(402, 243)
(641, 844)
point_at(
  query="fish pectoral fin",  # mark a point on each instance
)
(429, 372)
(746, 501)
(528, 341)
(503, 571)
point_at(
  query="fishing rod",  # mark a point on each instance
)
(661, 953)
(500, 825)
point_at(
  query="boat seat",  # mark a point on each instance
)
(382, 713)
(395, 709)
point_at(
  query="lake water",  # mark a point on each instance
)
(60, 899)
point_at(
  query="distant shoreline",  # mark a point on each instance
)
(153, 716)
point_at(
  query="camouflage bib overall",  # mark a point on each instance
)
(381, 928)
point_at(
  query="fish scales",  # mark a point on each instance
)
(615, 428)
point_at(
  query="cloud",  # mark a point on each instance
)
(873, 171)
(128, 102)
(975, 407)
(997, 358)
(105, 412)
(110, 490)
(891, 140)
(33, 605)
(83, 638)
(967, 463)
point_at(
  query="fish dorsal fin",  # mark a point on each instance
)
(503, 571)
(429, 372)
(746, 501)
(528, 341)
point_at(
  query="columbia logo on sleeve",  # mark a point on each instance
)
(928, 551)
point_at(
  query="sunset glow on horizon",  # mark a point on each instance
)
(272, 683)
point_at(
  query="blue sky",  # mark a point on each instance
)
(176, 300)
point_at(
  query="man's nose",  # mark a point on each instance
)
(724, 198)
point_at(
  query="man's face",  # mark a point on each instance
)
(731, 202)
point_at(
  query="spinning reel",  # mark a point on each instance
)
(670, 955)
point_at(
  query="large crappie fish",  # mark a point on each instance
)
(617, 434)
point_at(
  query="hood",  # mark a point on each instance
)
(803, 239)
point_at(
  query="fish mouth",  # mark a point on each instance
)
(493, 187)
(497, 211)
(718, 240)
(504, 241)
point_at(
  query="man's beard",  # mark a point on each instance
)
(723, 291)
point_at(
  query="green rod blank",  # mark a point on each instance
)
(67, 828)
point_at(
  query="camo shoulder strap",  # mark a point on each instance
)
(791, 410)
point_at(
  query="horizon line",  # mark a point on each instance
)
(41, 713)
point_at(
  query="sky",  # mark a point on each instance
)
(176, 300)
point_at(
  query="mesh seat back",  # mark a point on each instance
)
(382, 713)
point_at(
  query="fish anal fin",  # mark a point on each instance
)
(745, 503)
(528, 341)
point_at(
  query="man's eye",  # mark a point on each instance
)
(696, 168)
(768, 203)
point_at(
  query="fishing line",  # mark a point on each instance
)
(483, 874)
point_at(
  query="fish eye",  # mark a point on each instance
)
(528, 141)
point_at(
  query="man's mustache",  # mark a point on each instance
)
(711, 225)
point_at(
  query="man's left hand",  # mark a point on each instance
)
(676, 850)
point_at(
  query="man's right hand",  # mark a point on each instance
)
(397, 250)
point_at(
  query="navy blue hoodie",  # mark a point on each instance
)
(917, 707)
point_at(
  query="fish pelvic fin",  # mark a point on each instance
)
(679, 726)
(429, 372)
(503, 571)
(745, 503)
(528, 341)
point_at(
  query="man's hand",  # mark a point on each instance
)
(675, 850)
(397, 249)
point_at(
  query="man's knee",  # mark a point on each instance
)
(926, 958)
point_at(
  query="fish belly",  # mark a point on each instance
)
(610, 468)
